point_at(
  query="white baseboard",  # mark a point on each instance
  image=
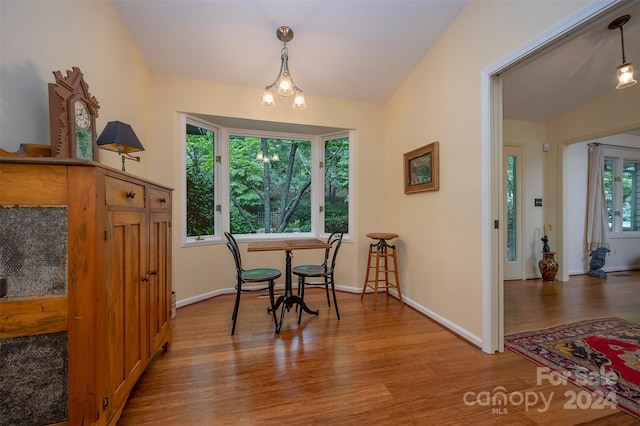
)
(199, 298)
(607, 270)
(585, 271)
(465, 334)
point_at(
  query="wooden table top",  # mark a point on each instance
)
(302, 244)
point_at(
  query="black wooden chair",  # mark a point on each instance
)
(324, 271)
(251, 277)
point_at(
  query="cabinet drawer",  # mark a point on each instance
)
(159, 199)
(121, 193)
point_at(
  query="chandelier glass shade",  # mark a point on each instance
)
(625, 76)
(624, 71)
(284, 84)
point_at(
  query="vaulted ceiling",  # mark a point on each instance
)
(362, 50)
(570, 74)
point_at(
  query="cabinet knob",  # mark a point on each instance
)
(163, 200)
(131, 194)
(154, 272)
(145, 278)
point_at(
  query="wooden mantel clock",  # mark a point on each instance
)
(72, 117)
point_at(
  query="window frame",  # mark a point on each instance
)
(217, 188)
(321, 202)
(222, 180)
(618, 156)
(313, 140)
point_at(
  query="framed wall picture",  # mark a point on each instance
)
(421, 169)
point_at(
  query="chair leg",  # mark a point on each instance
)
(236, 306)
(301, 294)
(300, 278)
(326, 290)
(273, 302)
(335, 301)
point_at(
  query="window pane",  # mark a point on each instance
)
(630, 196)
(608, 190)
(199, 169)
(512, 235)
(336, 185)
(269, 185)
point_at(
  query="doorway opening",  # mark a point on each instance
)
(493, 211)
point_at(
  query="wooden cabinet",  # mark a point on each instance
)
(118, 276)
(159, 284)
(126, 275)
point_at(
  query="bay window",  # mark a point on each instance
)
(258, 183)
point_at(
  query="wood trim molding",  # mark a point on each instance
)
(33, 316)
(28, 150)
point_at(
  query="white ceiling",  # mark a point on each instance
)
(361, 49)
(579, 70)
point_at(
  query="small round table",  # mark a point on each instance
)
(379, 253)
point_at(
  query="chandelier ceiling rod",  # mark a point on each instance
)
(284, 82)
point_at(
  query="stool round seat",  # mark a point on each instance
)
(382, 235)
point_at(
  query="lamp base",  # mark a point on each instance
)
(126, 156)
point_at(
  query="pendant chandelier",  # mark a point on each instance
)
(624, 70)
(284, 82)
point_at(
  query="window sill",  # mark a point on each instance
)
(624, 235)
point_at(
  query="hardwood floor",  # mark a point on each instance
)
(535, 304)
(389, 366)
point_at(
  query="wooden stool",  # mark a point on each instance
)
(378, 261)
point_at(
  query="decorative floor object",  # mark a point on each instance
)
(600, 355)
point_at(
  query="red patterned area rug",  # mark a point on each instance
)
(600, 355)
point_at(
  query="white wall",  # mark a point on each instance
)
(40, 37)
(441, 231)
(577, 168)
(614, 113)
(627, 250)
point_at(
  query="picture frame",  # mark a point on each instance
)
(422, 169)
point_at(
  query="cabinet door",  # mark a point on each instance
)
(126, 278)
(159, 294)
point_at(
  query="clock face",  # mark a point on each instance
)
(84, 132)
(83, 118)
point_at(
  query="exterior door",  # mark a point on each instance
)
(513, 172)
